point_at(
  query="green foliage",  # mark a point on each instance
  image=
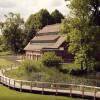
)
(97, 66)
(85, 9)
(45, 17)
(64, 27)
(83, 32)
(5, 63)
(2, 46)
(57, 16)
(49, 59)
(12, 30)
(37, 21)
(30, 66)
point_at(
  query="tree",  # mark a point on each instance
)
(3, 47)
(57, 16)
(45, 17)
(95, 5)
(12, 30)
(30, 29)
(35, 22)
(83, 32)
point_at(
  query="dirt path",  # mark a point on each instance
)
(11, 58)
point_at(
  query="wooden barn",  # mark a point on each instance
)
(48, 39)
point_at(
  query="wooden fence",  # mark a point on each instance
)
(48, 87)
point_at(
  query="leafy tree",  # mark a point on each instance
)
(35, 22)
(95, 11)
(12, 30)
(83, 32)
(29, 31)
(38, 20)
(57, 16)
(45, 17)
(3, 47)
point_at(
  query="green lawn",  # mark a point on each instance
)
(7, 94)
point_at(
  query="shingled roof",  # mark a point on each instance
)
(45, 37)
(46, 41)
(55, 28)
(51, 45)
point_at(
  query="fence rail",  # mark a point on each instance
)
(57, 88)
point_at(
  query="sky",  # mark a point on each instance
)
(28, 7)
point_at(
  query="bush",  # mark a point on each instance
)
(78, 72)
(97, 67)
(30, 66)
(49, 59)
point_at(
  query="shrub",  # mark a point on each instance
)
(97, 66)
(49, 59)
(78, 72)
(30, 66)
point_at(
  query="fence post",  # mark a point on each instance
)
(6, 80)
(21, 86)
(56, 89)
(31, 86)
(82, 91)
(3, 79)
(51, 86)
(14, 83)
(42, 88)
(71, 90)
(9, 81)
(0, 79)
(95, 91)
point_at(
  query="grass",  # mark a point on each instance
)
(7, 94)
(5, 63)
(43, 74)
(47, 75)
(20, 75)
(16, 74)
(4, 53)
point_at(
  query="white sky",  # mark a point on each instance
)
(27, 7)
